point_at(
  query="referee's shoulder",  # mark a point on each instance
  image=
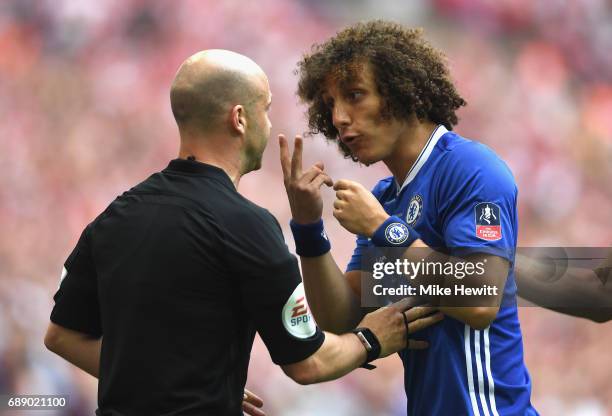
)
(236, 210)
(210, 195)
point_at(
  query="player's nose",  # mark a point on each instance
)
(340, 116)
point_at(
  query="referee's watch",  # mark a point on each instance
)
(371, 344)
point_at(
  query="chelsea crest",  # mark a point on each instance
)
(415, 207)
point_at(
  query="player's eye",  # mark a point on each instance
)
(354, 95)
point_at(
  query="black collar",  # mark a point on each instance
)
(193, 167)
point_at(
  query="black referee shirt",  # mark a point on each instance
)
(176, 275)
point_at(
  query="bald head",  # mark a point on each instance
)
(209, 83)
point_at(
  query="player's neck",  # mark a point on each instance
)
(408, 148)
(213, 153)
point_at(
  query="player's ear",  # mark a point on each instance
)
(238, 122)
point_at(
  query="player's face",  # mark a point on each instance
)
(357, 115)
(258, 130)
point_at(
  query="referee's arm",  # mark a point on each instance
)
(80, 349)
(273, 296)
(341, 354)
(75, 330)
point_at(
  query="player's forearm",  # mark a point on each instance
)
(333, 303)
(540, 282)
(478, 311)
(338, 356)
(575, 291)
(76, 348)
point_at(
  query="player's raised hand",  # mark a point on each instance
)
(252, 404)
(303, 188)
(394, 324)
(357, 209)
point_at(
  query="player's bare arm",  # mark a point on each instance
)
(334, 304)
(579, 292)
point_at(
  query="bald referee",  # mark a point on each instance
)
(164, 292)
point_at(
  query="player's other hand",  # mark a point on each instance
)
(389, 325)
(357, 209)
(303, 188)
(252, 404)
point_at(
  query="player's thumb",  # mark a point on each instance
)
(341, 184)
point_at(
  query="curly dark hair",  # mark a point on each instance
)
(411, 76)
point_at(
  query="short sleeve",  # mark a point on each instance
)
(478, 204)
(76, 301)
(356, 262)
(271, 287)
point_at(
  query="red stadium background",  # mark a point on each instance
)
(85, 114)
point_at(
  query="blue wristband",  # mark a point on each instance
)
(394, 232)
(310, 239)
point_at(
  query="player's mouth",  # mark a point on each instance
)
(358, 147)
(350, 139)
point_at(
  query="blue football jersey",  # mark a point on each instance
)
(461, 197)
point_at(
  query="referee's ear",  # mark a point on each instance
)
(238, 120)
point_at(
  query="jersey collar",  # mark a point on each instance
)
(199, 168)
(436, 134)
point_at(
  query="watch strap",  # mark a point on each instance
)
(370, 343)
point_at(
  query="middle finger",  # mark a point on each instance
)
(424, 322)
(419, 312)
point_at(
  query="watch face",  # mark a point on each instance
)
(364, 341)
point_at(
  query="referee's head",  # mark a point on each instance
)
(220, 101)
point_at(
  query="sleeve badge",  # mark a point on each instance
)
(296, 316)
(488, 221)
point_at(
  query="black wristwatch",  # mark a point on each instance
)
(371, 344)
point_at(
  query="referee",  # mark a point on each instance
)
(164, 291)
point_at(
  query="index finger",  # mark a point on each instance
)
(251, 410)
(284, 156)
(405, 303)
(296, 160)
(253, 398)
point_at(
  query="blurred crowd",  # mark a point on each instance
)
(85, 114)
